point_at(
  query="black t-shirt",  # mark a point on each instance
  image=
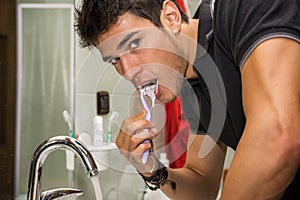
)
(229, 38)
(229, 30)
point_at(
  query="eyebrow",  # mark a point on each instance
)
(127, 37)
(122, 43)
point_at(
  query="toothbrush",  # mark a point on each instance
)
(113, 117)
(68, 119)
(70, 158)
(148, 89)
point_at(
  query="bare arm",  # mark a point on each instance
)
(199, 178)
(268, 154)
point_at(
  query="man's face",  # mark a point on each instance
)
(141, 52)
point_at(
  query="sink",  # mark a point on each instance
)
(99, 153)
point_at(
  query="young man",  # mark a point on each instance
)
(255, 46)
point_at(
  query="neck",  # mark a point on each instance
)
(190, 30)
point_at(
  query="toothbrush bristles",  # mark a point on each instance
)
(150, 89)
(152, 83)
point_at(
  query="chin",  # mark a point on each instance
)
(167, 98)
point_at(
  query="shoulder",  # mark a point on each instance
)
(238, 24)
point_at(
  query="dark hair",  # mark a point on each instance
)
(97, 16)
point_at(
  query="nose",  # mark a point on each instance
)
(129, 66)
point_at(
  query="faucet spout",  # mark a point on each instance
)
(48, 146)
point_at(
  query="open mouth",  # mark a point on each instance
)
(149, 88)
(147, 84)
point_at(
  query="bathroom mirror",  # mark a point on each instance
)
(48, 61)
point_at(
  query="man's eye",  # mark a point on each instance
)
(134, 44)
(114, 60)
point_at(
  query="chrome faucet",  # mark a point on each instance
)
(39, 157)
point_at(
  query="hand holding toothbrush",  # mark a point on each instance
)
(130, 140)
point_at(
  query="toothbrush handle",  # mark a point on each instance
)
(147, 117)
(146, 153)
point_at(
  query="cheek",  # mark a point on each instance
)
(160, 56)
(166, 95)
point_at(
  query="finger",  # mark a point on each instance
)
(134, 127)
(136, 155)
(128, 143)
(143, 145)
(122, 142)
(140, 115)
(144, 134)
(130, 127)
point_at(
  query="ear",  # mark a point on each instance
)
(170, 16)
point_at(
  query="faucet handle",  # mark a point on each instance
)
(60, 194)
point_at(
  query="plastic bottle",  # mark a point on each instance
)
(98, 131)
